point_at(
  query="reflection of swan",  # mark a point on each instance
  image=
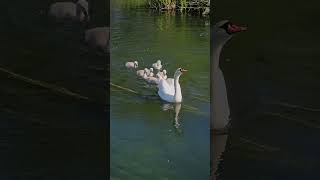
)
(219, 145)
(177, 108)
(222, 32)
(176, 117)
(169, 89)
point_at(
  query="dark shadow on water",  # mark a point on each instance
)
(46, 133)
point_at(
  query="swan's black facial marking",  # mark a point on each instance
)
(225, 26)
(182, 70)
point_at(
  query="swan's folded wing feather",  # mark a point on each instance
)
(166, 87)
(170, 81)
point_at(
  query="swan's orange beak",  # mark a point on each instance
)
(232, 28)
(184, 70)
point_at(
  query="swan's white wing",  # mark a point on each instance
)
(170, 81)
(166, 91)
(221, 110)
(166, 87)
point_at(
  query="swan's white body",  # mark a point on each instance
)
(157, 65)
(131, 65)
(170, 89)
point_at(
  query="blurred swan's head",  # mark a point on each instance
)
(179, 72)
(224, 30)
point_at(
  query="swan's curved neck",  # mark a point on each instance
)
(220, 112)
(177, 89)
(216, 56)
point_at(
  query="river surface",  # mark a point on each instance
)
(272, 77)
(151, 139)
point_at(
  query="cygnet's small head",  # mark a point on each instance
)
(151, 69)
(164, 72)
(224, 30)
(159, 62)
(135, 64)
(179, 72)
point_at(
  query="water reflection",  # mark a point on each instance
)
(219, 142)
(176, 108)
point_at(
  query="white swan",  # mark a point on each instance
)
(222, 32)
(70, 10)
(132, 65)
(157, 65)
(169, 89)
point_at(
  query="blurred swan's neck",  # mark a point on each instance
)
(177, 90)
(216, 56)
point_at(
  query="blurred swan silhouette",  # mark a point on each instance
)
(223, 31)
(98, 38)
(61, 11)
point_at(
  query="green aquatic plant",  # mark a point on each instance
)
(130, 3)
(182, 5)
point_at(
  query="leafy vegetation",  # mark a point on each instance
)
(193, 6)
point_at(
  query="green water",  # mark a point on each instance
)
(148, 142)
